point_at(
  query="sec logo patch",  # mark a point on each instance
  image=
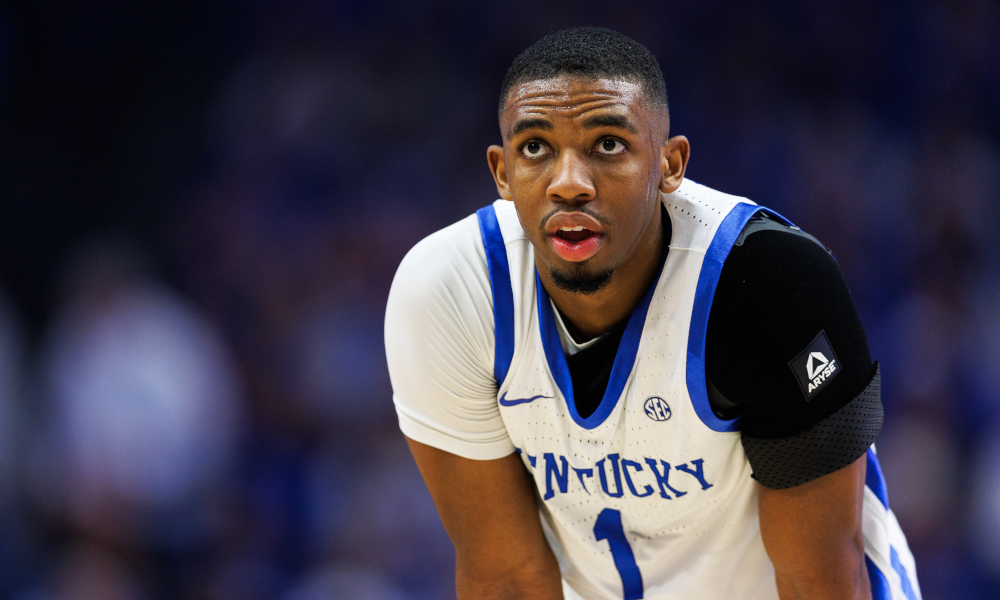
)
(657, 408)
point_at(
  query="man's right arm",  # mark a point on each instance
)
(439, 348)
(488, 509)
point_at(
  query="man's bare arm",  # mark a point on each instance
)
(488, 509)
(812, 533)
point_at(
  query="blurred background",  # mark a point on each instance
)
(202, 205)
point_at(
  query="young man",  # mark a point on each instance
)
(592, 372)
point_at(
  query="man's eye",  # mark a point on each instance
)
(610, 146)
(534, 149)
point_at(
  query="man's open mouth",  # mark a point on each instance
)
(576, 243)
(574, 234)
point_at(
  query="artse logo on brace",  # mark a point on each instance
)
(815, 366)
(819, 368)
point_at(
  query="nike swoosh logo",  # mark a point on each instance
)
(505, 402)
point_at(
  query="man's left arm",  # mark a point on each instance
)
(787, 351)
(812, 534)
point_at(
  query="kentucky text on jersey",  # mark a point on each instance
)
(612, 470)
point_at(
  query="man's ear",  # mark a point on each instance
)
(673, 162)
(494, 155)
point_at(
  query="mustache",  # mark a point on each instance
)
(583, 210)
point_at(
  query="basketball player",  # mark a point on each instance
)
(618, 383)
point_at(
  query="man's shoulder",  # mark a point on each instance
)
(449, 253)
(447, 265)
(695, 212)
(691, 191)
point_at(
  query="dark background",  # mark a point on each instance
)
(202, 206)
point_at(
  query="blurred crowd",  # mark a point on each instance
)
(197, 406)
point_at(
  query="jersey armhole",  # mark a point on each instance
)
(729, 231)
(503, 294)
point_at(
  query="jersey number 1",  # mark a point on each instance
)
(609, 527)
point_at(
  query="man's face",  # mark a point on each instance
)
(583, 161)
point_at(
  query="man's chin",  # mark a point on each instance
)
(581, 283)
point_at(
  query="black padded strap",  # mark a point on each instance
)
(828, 446)
(763, 221)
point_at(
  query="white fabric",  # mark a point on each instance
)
(439, 345)
(569, 345)
(882, 535)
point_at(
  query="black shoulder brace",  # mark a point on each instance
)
(786, 349)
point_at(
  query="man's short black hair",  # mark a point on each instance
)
(588, 52)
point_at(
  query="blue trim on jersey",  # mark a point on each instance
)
(609, 527)
(878, 581)
(904, 578)
(503, 293)
(727, 234)
(628, 349)
(875, 480)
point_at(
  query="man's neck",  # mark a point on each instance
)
(589, 315)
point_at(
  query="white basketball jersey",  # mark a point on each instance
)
(651, 495)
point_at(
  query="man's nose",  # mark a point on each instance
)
(572, 182)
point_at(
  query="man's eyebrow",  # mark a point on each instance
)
(618, 121)
(525, 124)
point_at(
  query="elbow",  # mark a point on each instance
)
(862, 587)
(840, 574)
(531, 578)
(855, 571)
